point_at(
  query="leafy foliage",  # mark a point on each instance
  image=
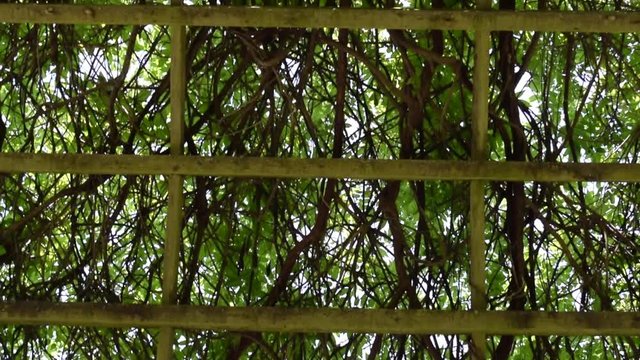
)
(308, 93)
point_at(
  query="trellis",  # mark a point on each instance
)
(478, 322)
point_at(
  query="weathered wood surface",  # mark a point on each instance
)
(273, 319)
(557, 21)
(287, 168)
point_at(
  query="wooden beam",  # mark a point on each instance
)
(288, 320)
(556, 21)
(480, 120)
(316, 168)
(171, 255)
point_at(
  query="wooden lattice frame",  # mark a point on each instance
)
(167, 316)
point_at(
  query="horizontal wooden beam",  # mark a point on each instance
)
(289, 168)
(552, 21)
(273, 319)
(252, 167)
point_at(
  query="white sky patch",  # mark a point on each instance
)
(341, 339)
(538, 225)
(351, 126)
(524, 91)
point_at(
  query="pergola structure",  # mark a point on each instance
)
(167, 316)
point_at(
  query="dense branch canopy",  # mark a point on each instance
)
(319, 93)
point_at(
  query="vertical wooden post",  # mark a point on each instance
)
(479, 125)
(178, 79)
